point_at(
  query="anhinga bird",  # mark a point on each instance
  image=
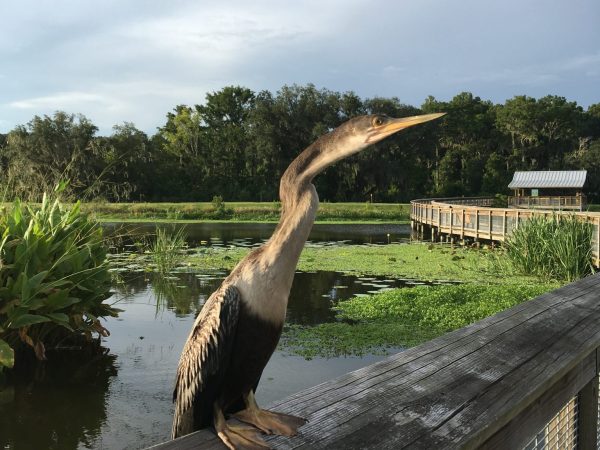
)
(239, 326)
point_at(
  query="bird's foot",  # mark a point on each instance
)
(239, 437)
(271, 422)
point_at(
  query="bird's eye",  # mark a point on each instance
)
(377, 121)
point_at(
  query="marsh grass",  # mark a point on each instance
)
(167, 249)
(558, 248)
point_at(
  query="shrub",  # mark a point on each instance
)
(220, 211)
(53, 277)
(559, 247)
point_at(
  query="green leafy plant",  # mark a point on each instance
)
(53, 277)
(559, 247)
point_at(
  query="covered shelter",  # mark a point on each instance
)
(549, 189)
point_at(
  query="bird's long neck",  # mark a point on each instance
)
(299, 204)
(299, 199)
(272, 266)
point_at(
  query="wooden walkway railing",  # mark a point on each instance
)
(469, 217)
(523, 377)
(573, 202)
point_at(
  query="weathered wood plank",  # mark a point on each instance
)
(429, 399)
(456, 391)
(443, 347)
(519, 431)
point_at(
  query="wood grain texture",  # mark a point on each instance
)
(467, 389)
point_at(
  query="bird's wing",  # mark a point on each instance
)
(205, 354)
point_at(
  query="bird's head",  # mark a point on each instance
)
(351, 137)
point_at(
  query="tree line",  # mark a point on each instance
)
(238, 143)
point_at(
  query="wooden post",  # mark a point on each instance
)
(598, 240)
(477, 224)
(504, 225)
(587, 417)
(462, 225)
(490, 222)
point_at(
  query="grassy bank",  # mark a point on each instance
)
(244, 211)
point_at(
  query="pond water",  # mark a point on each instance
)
(122, 397)
(248, 234)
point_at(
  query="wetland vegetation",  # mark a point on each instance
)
(398, 317)
(53, 278)
(558, 247)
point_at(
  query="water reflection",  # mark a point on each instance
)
(311, 297)
(251, 234)
(61, 404)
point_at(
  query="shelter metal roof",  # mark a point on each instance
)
(548, 179)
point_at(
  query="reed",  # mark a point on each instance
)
(167, 249)
(559, 247)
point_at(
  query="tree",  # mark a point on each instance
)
(464, 141)
(124, 168)
(237, 144)
(229, 157)
(588, 158)
(541, 130)
(48, 150)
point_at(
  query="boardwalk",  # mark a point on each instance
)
(475, 218)
(497, 383)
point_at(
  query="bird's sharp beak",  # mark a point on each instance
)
(405, 122)
(395, 125)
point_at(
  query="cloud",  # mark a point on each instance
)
(60, 100)
(393, 71)
(544, 74)
(144, 102)
(114, 61)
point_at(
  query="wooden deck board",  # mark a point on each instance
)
(456, 391)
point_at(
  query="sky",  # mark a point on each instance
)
(116, 60)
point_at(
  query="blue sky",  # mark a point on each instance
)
(117, 61)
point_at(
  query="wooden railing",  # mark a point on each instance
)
(527, 373)
(575, 202)
(446, 217)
